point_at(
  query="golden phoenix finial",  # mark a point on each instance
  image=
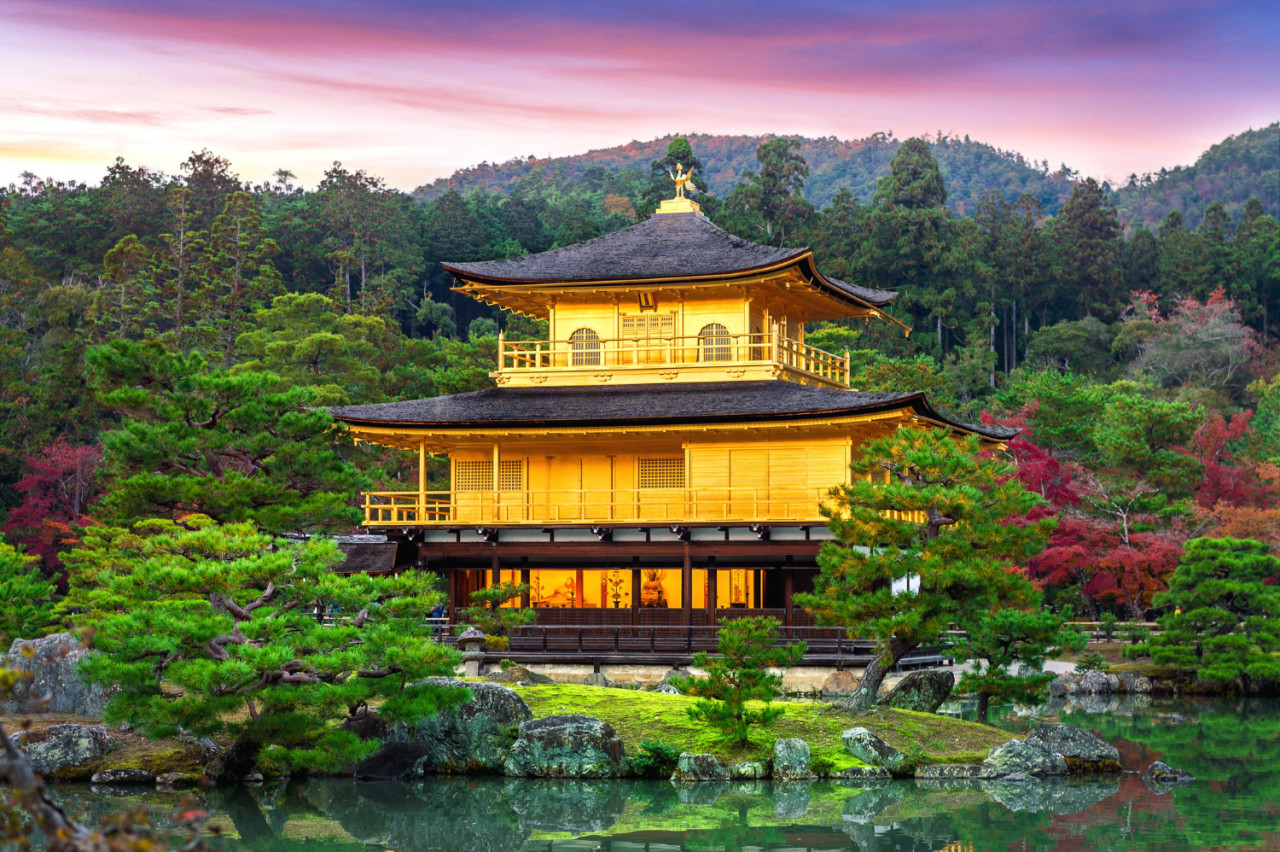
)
(681, 177)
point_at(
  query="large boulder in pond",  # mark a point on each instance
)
(791, 760)
(1083, 752)
(569, 805)
(869, 748)
(698, 767)
(923, 691)
(1049, 795)
(55, 685)
(566, 747)
(61, 747)
(1022, 757)
(473, 737)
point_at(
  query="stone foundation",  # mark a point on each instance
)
(802, 679)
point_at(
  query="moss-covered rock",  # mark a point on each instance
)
(566, 747)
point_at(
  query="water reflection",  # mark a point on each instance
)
(1233, 748)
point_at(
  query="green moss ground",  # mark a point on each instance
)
(639, 716)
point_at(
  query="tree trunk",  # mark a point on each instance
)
(984, 701)
(868, 689)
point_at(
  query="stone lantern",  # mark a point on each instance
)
(472, 644)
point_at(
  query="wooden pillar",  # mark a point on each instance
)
(788, 588)
(497, 481)
(580, 592)
(524, 581)
(453, 593)
(495, 569)
(422, 481)
(635, 590)
(686, 588)
(757, 586)
(713, 591)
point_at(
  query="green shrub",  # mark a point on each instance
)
(655, 760)
(1107, 623)
(1092, 662)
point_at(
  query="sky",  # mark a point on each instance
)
(412, 90)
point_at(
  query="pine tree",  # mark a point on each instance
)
(217, 630)
(932, 514)
(1008, 648)
(28, 606)
(739, 672)
(1225, 622)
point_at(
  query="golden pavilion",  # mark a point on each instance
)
(659, 459)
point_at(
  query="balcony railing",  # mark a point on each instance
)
(581, 506)
(720, 350)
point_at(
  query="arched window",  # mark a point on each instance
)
(584, 348)
(714, 343)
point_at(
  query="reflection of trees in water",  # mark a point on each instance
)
(1232, 748)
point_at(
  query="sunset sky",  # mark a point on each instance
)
(412, 90)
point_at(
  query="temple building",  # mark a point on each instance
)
(662, 457)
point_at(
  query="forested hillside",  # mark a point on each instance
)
(970, 168)
(168, 341)
(1230, 173)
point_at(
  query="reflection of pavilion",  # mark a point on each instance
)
(674, 430)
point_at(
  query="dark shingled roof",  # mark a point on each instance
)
(364, 558)
(648, 404)
(667, 245)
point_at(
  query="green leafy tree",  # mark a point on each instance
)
(239, 277)
(769, 203)
(1008, 648)
(959, 558)
(232, 445)
(739, 672)
(1225, 622)
(28, 599)
(215, 630)
(489, 614)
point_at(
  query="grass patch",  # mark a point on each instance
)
(638, 716)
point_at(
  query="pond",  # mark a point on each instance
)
(1232, 747)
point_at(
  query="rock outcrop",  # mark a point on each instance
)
(61, 747)
(474, 737)
(839, 684)
(698, 767)
(791, 760)
(949, 771)
(1160, 777)
(55, 685)
(1022, 757)
(869, 748)
(923, 691)
(566, 747)
(1083, 752)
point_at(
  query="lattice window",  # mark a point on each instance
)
(510, 474)
(714, 343)
(472, 475)
(584, 348)
(478, 475)
(639, 326)
(662, 472)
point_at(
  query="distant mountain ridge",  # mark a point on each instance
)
(1232, 171)
(970, 168)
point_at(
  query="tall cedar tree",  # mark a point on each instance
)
(960, 561)
(215, 630)
(234, 445)
(746, 648)
(1225, 622)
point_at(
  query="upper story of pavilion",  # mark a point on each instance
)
(671, 299)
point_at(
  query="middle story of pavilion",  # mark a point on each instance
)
(664, 456)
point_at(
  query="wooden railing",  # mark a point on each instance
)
(656, 505)
(583, 506)
(719, 350)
